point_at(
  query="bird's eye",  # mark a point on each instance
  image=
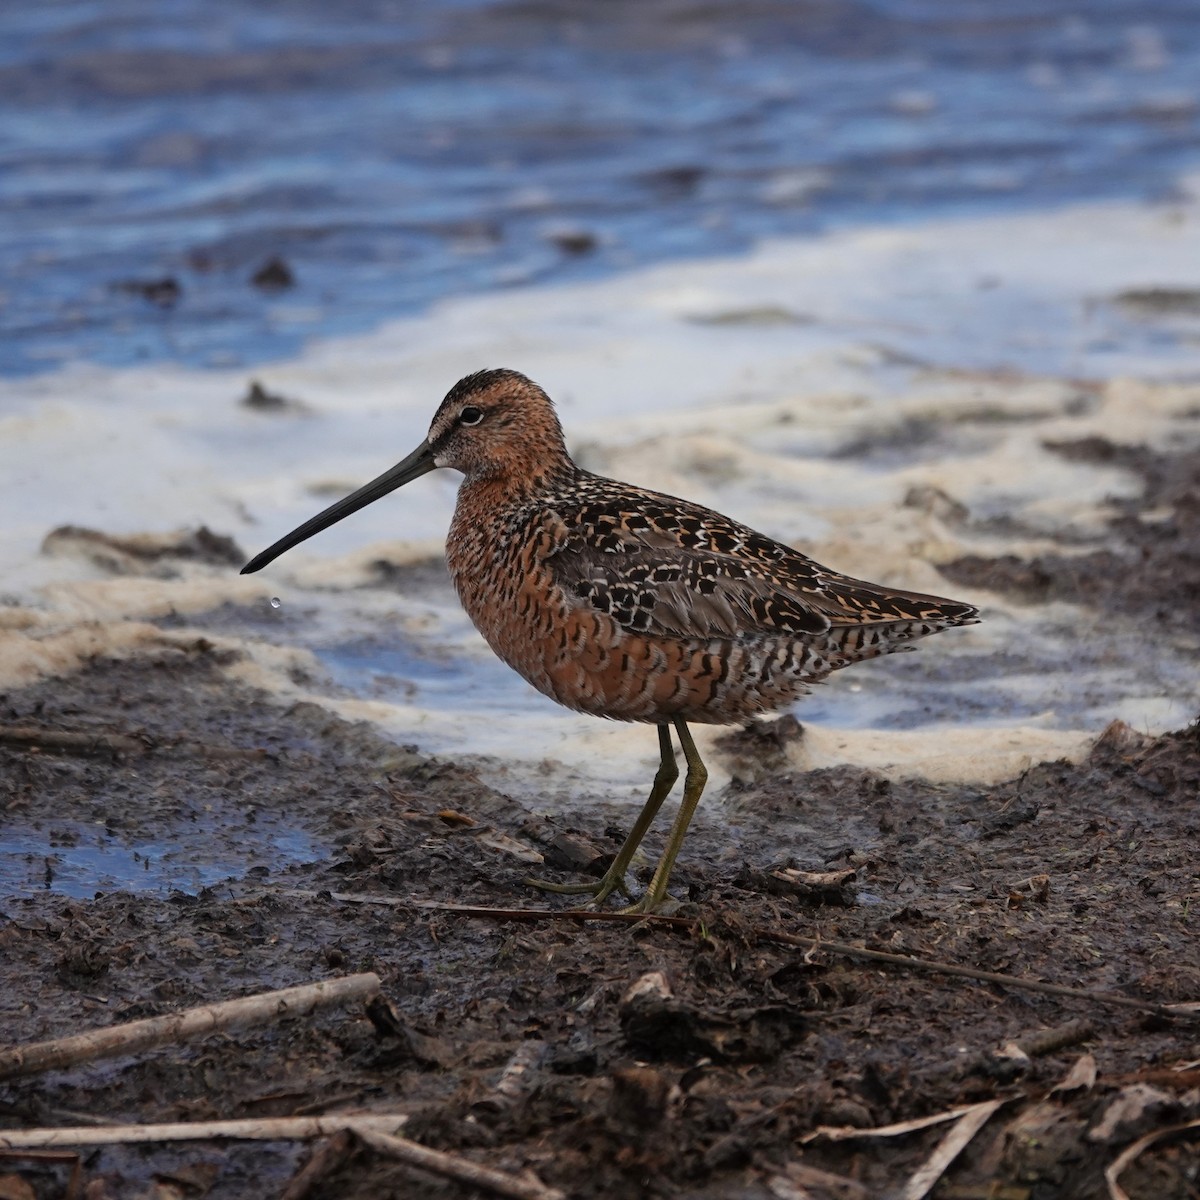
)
(470, 415)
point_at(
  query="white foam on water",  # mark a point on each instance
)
(847, 394)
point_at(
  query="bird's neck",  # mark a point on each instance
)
(492, 511)
(489, 491)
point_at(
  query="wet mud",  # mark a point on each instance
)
(700, 1059)
(1146, 565)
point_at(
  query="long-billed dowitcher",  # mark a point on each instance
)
(626, 603)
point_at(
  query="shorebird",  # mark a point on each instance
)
(626, 603)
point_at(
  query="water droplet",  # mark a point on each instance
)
(275, 602)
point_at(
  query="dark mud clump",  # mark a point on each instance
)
(1148, 566)
(144, 553)
(274, 275)
(652, 1060)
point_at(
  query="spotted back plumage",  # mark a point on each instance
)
(629, 604)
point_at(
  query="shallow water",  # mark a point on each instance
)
(397, 154)
(77, 859)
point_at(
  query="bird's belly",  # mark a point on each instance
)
(585, 661)
(576, 658)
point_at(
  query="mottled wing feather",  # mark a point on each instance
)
(668, 568)
(695, 595)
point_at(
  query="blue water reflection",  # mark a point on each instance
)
(395, 153)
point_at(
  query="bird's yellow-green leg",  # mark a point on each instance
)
(614, 878)
(693, 785)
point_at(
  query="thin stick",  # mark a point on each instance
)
(843, 1133)
(517, 1078)
(70, 741)
(948, 1149)
(472, 910)
(174, 1027)
(941, 968)
(1050, 1041)
(115, 745)
(1112, 1173)
(257, 1129)
(905, 961)
(521, 1187)
(1175, 1012)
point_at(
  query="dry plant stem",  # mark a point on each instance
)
(1049, 1041)
(68, 741)
(940, 968)
(469, 910)
(1172, 1012)
(948, 1149)
(174, 1027)
(1112, 1172)
(264, 1129)
(520, 1187)
(1162, 1077)
(930, 966)
(844, 1133)
(983, 1191)
(823, 1183)
(518, 1076)
(326, 1157)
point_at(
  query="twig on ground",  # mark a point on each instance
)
(375, 1129)
(842, 1133)
(32, 738)
(1113, 1171)
(1162, 1077)
(941, 968)
(907, 962)
(801, 1180)
(948, 1149)
(494, 914)
(1176, 1012)
(255, 1129)
(1049, 1041)
(521, 1187)
(326, 1157)
(115, 745)
(517, 1078)
(157, 1031)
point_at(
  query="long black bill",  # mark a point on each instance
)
(419, 462)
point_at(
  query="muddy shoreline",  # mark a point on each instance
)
(1083, 875)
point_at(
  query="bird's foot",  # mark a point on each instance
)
(659, 906)
(648, 902)
(599, 889)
